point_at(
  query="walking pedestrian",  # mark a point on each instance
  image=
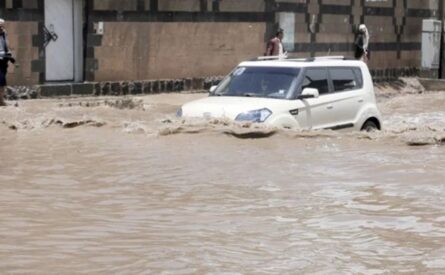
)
(275, 45)
(5, 57)
(362, 44)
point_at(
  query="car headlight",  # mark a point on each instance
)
(255, 116)
(179, 113)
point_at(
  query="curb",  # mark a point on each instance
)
(111, 88)
(145, 87)
(431, 84)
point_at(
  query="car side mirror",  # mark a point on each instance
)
(309, 93)
(213, 89)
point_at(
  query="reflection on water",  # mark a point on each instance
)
(133, 190)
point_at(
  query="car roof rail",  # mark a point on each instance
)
(303, 59)
(272, 57)
(333, 57)
(330, 57)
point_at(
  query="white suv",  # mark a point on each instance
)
(313, 93)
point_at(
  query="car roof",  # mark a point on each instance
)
(328, 61)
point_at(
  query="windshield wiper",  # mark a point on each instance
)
(250, 94)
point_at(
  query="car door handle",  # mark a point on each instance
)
(360, 100)
(330, 107)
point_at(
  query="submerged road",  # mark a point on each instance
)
(109, 185)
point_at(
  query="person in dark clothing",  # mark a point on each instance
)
(5, 57)
(362, 44)
(275, 45)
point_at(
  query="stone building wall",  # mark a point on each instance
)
(195, 38)
(171, 39)
(23, 23)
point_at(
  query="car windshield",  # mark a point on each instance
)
(271, 82)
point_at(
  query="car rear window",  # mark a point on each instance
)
(358, 76)
(345, 79)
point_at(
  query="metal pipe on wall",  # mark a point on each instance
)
(442, 41)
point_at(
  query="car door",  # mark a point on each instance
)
(347, 95)
(317, 111)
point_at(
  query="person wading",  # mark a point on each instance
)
(362, 44)
(5, 57)
(275, 45)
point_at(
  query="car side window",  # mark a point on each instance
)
(316, 78)
(358, 76)
(344, 79)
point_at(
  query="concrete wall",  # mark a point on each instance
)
(173, 38)
(160, 39)
(133, 51)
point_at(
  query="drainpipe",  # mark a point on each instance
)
(442, 47)
(86, 29)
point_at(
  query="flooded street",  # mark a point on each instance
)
(107, 186)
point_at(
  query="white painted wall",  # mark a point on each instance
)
(287, 23)
(431, 34)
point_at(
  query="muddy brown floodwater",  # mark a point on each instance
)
(120, 186)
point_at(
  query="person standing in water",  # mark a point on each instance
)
(5, 57)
